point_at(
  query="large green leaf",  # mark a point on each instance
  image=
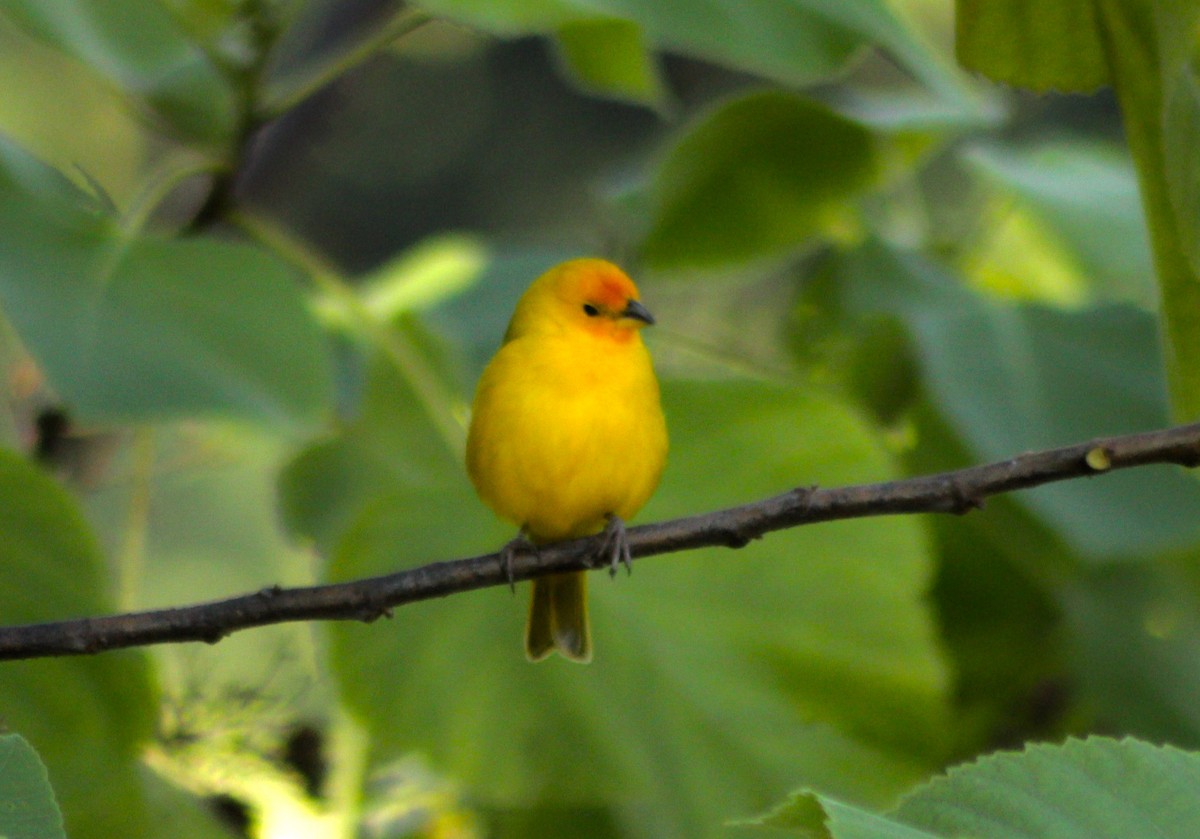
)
(27, 806)
(998, 613)
(1033, 44)
(814, 816)
(1011, 378)
(206, 20)
(611, 57)
(755, 178)
(87, 716)
(21, 172)
(1084, 789)
(777, 39)
(177, 813)
(133, 327)
(139, 45)
(788, 41)
(718, 676)
(57, 108)
(1135, 648)
(1091, 789)
(792, 41)
(390, 443)
(1087, 195)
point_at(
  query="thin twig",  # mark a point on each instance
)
(365, 600)
(405, 22)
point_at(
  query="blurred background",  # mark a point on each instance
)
(254, 254)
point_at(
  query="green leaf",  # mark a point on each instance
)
(143, 328)
(611, 57)
(843, 685)
(423, 276)
(849, 822)
(1087, 195)
(790, 41)
(72, 118)
(138, 45)
(51, 568)
(1084, 789)
(1011, 378)
(802, 814)
(814, 816)
(584, 822)
(179, 814)
(27, 806)
(1044, 46)
(998, 607)
(391, 443)
(756, 178)
(21, 171)
(512, 17)
(1135, 648)
(206, 20)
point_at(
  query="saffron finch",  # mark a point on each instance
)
(567, 433)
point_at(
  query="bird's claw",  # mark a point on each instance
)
(519, 544)
(616, 546)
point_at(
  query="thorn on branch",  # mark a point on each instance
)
(371, 613)
(738, 537)
(1189, 459)
(963, 501)
(803, 498)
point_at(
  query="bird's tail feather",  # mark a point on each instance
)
(558, 618)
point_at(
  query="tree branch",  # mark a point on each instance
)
(950, 492)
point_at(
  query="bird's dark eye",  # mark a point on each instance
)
(590, 310)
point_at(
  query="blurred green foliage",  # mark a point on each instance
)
(254, 253)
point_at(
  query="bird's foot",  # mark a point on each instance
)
(520, 544)
(616, 546)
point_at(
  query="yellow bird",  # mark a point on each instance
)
(567, 433)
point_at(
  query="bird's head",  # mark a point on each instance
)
(590, 295)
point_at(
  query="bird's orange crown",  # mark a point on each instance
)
(589, 294)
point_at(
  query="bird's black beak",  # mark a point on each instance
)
(636, 311)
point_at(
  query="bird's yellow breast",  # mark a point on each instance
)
(567, 429)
